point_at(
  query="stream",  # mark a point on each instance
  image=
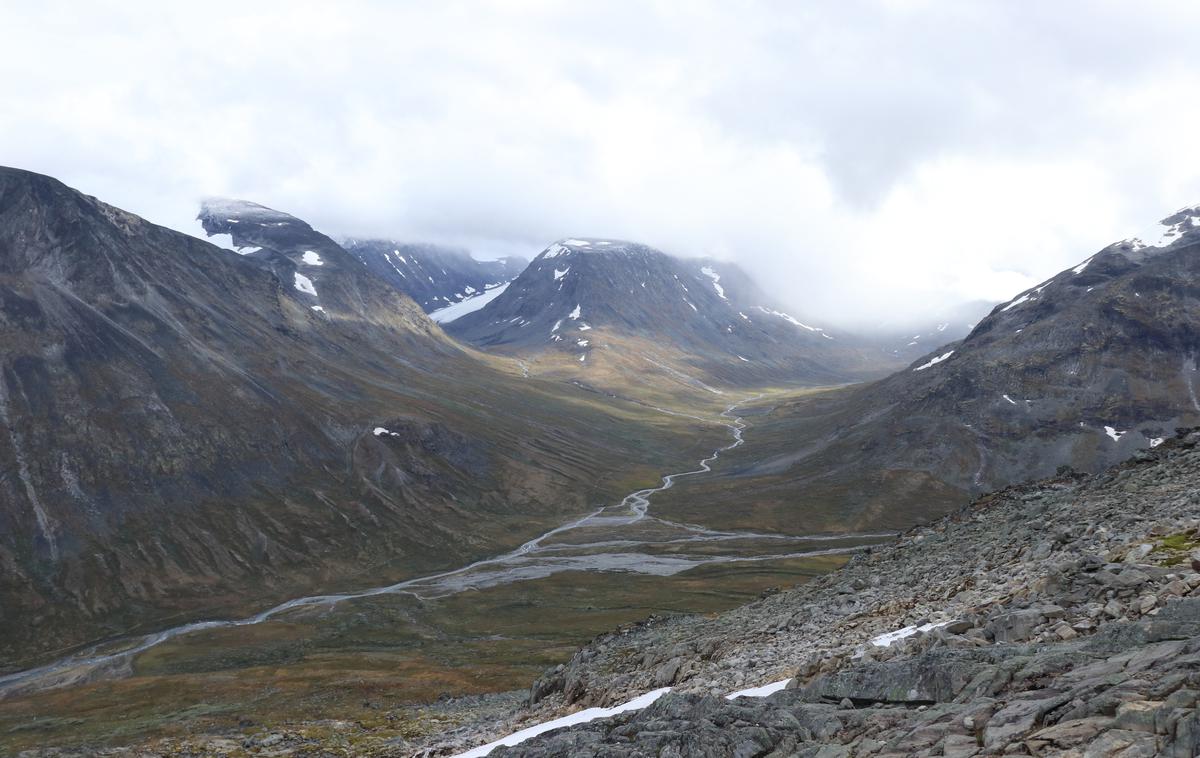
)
(618, 538)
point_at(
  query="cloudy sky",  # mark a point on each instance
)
(868, 160)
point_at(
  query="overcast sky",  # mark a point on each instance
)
(867, 161)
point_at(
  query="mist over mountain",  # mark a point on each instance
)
(858, 196)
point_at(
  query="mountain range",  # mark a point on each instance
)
(603, 301)
(191, 430)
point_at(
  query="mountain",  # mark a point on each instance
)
(1082, 370)
(590, 301)
(186, 430)
(322, 275)
(434, 276)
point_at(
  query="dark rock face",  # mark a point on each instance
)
(184, 429)
(1062, 618)
(710, 311)
(1082, 371)
(432, 275)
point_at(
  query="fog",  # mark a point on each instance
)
(869, 162)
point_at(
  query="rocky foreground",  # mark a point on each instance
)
(1069, 614)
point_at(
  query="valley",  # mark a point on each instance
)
(318, 507)
(487, 627)
(599, 380)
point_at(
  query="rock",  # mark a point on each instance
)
(270, 740)
(665, 674)
(1117, 743)
(1137, 553)
(1015, 626)
(959, 746)
(1126, 579)
(1177, 587)
(1017, 718)
(1137, 716)
(958, 626)
(1067, 734)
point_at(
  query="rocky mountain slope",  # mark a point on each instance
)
(432, 275)
(186, 430)
(322, 275)
(581, 298)
(1058, 618)
(1081, 371)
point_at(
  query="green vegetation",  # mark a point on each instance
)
(1175, 549)
(356, 674)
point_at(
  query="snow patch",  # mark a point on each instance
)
(312, 258)
(1022, 299)
(763, 691)
(786, 318)
(716, 281)
(1157, 441)
(304, 284)
(573, 315)
(1114, 433)
(469, 305)
(1165, 235)
(891, 638)
(560, 274)
(580, 717)
(934, 361)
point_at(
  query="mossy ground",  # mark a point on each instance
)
(1175, 549)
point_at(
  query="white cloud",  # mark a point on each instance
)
(867, 161)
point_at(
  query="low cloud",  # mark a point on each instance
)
(869, 162)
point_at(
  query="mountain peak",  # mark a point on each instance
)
(1181, 224)
(573, 245)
